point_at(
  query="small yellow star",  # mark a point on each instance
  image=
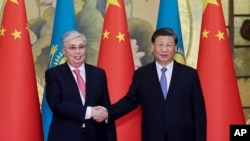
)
(105, 34)
(114, 2)
(220, 35)
(205, 33)
(16, 34)
(120, 37)
(2, 30)
(210, 2)
(14, 1)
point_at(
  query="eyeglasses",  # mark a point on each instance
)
(74, 48)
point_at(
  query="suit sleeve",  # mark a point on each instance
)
(199, 110)
(126, 104)
(59, 106)
(111, 130)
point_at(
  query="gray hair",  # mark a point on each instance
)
(73, 34)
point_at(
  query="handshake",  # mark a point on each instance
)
(99, 113)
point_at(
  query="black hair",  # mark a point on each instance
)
(166, 31)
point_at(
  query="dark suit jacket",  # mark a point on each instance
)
(182, 117)
(64, 100)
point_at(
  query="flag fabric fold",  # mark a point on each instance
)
(64, 20)
(217, 75)
(20, 109)
(115, 57)
(168, 16)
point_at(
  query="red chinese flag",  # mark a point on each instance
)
(20, 111)
(115, 56)
(217, 74)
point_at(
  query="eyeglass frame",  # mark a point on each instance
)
(74, 48)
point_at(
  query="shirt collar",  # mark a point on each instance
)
(169, 66)
(81, 68)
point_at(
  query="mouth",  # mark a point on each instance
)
(78, 57)
(164, 55)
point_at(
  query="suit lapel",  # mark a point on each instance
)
(70, 80)
(87, 74)
(90, 82)
(154, 81)
(174, 80)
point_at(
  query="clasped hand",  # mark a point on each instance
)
(99, 113)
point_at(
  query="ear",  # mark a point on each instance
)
(152, 47)
(63, 50)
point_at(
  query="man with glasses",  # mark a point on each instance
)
(73, 90)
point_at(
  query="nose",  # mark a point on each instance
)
(164, 48)
(77, 50)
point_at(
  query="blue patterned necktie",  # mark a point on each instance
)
(163, 82)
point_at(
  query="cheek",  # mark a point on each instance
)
(67, 54)
(84, 51)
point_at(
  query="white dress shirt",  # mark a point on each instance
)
(168, 73)
(83, 74)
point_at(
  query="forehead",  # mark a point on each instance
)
(164, 38)
(75, 40)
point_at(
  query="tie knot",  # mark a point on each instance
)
(164, 69)
(76, 71)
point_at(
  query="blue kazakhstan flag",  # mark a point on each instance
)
(64, 21)
(168, 16)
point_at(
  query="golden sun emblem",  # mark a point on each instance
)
(56, 56)
(179, 56)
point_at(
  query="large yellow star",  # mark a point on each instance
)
(220, 35)
(120, 36)
(16, 34)
(209, 2)
(14, 1)
(205, 33)
(2, 30)
(105, 34)
(114, 2)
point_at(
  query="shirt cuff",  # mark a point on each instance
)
(88, 113)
